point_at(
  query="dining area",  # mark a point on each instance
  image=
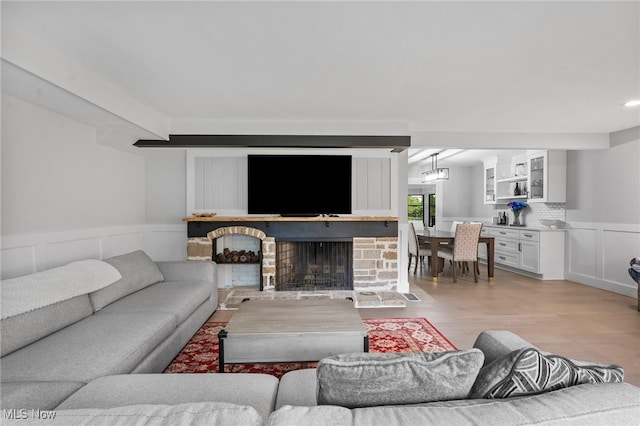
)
(459, 246)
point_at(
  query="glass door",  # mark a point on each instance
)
(415, 208)
(490, 185)
(537, 181)
(432, 210)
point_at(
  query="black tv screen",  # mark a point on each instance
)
(299, 185)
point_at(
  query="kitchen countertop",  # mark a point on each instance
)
(530, 228)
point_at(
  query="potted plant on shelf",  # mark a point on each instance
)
(517, 207)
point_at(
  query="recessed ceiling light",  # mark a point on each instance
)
(632, 103)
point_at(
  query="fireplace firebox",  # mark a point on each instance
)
(314, 265)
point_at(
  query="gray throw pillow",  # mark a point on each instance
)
(528, 371)
(138, 271)
(371, 379)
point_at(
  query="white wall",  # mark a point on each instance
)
(166, 183)
(64, 196)
(456, 194)
(56, 177)
(604, 185)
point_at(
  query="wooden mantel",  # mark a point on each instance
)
(317, 228)
(290, 219)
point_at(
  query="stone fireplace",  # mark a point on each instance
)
(372, 249)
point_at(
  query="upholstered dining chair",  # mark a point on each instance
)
(477, 263)
(454, 225)
(417, 249)
(465, 248)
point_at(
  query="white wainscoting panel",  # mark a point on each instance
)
(59, 252)
(583, 251)
(18, 261)
(599, 253)
(26, 254)
(166, 242)
(619, 248)
(121, 241)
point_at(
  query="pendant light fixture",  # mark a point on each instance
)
(435, 174)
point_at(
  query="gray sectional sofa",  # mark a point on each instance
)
(135, 322)
(81, 371)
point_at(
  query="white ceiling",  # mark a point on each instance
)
(431, 66)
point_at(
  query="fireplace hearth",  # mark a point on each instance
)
(314, 265)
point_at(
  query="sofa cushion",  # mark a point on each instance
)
(98, 345)
(256, 390)
(179, 298)
(298, 387)
(528, 371)
(601, 404)
(36, 395)
(195, 414)
(28, 327)
(320, 415)
(138, 271)
(370, 379)
(182, 270)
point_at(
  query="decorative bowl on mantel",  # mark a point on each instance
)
(552, 223)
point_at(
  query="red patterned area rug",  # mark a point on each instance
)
(200, 355)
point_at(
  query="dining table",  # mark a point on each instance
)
(438, 237)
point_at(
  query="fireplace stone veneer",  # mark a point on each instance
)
(375, 243)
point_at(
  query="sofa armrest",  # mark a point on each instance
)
(497, 343)
(184, 270)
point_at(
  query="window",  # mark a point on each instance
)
(432, 210)
(415, 207)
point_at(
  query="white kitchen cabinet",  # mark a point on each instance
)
(501, 175)
(505, 189)
(507, 246)
(536, 252)
(547, 181)
(490, 183)
(530, 256)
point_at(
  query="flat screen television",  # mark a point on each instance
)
(299, 185)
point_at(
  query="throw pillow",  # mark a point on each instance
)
(371, 379)
(528, 371)
(138, 271)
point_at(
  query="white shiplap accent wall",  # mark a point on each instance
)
(220, 183)
(217, 180)
(372, 184)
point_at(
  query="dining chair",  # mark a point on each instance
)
(477, 263)
(465, 247)
(454, 225)
(416, 248)
(449, 246)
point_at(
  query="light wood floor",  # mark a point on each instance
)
(562, 317)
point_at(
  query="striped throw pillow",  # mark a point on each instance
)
(528, 371)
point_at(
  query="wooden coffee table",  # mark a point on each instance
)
(265, 331)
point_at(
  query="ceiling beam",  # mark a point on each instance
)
(395, 143)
